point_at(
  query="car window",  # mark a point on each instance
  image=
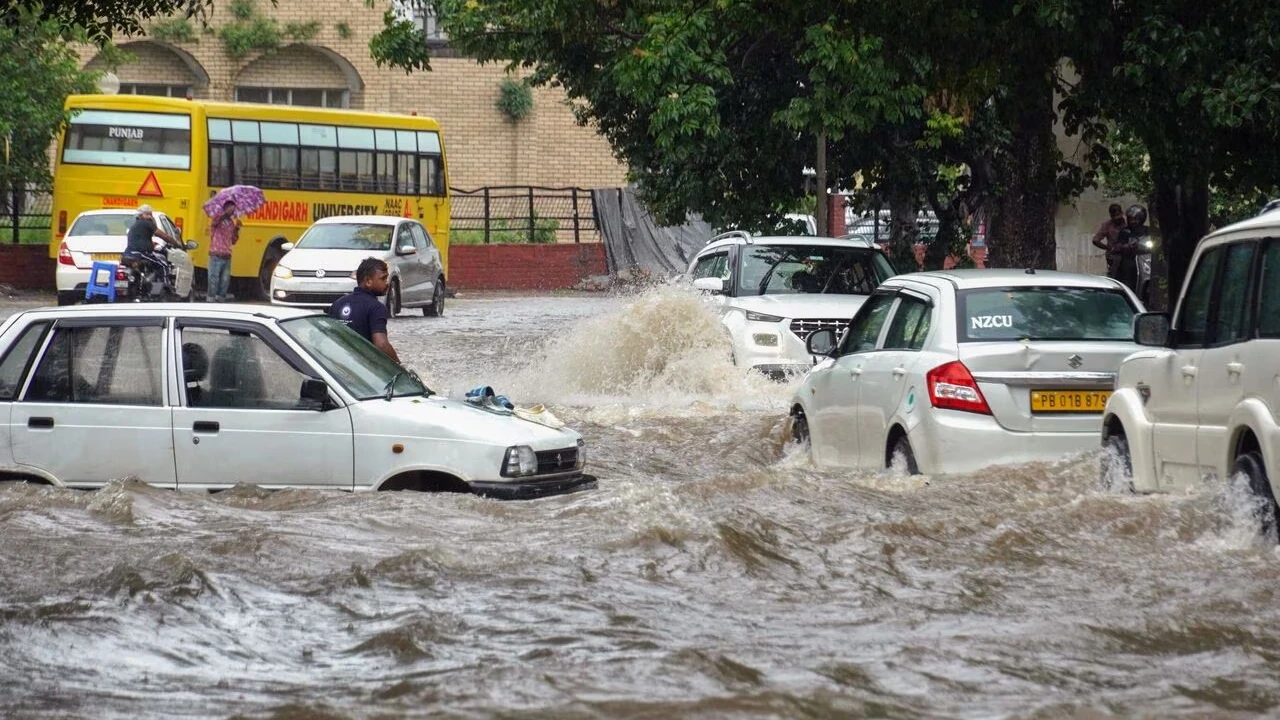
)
(420, 238)
(865, 328)
(910, 324)
(14, 366)
(1233, 321)
(238, 369)
(1269, 292)
(826, 269)
(100, 365)
(101, 224)
(346, 236)
(1044, 313)
(1193, 316)
(715, 265)
(404, 236)
(364, 370)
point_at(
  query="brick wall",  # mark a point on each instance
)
(26, 266)
(485, 148)
(524, 267)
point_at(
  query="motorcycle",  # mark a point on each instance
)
(168, 280)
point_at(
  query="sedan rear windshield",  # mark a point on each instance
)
(346, 236)
(1045, 313)
(818, 269)
(102, 224)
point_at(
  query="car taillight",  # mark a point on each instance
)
(62, 223)
(64, 255)
(952, 387)
(177, 222)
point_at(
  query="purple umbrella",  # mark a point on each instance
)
(247, 198)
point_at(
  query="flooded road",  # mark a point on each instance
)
(714, 573)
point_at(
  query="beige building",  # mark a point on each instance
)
(323, 59)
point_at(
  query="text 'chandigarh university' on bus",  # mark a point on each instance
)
(121, 151)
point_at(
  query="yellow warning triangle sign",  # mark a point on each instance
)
(150, 187)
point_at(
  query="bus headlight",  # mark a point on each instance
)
(282, 272)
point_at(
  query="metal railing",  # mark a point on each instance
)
(25, 215)
(522, 214)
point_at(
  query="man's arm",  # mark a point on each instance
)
(378, 331)
(381, 342)
(1099, 238)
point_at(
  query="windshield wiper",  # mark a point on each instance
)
(390, 388)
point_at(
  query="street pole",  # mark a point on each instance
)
(822, 214)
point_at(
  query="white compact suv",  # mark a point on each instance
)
(773, 292)
(1203, 398)
(961, 369)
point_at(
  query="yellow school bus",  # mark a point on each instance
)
(121, 151)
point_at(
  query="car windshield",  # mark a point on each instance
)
(361, 368)
(346, 236)
(101, 224)
(1045, 313)
(791, 269)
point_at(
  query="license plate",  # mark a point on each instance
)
(1069, 401)
(106, 257)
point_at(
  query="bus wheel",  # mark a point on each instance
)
(269, 261)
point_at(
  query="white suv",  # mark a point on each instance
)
(774, 291)
(1204, 398)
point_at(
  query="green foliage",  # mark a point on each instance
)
(400, 44)
(515, 99)
(241, 39)
(98, 20)
(302, 32)
(243, 10)
(344, 30)
(509, 231)
(175, 30)
(37, 72)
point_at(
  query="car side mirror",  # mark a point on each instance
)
(1151, 329)
(287, 246)
(407, 250)
(315, 391)
(713, 285)
(821, 342)
(191, 244)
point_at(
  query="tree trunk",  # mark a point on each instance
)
(903, 232)
(1182, 208)
(1025, 202)
(823, 214)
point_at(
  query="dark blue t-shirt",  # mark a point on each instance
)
(362, 311)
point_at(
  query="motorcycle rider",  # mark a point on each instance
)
(140, 252)
(1129, 245)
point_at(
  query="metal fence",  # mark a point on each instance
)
(522, 214)
(25, 215)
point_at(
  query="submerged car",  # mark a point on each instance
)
(320, 267)
(205, 397)
(772, 292)
(1202, 397)
(957, 370)
(101, 235)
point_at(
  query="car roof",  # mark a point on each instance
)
(362, 219)
(184, 310)
(1004, 277)
(1266, 222)
(740, 239)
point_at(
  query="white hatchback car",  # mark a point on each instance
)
(958, 370)
(1203, 399)
(320, 267)
(772, 292)
(198, 397)
(102, 235)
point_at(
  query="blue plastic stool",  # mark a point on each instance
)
(97, 287)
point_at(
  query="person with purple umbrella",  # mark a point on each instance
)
(223, 234)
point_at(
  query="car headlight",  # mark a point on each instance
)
(582, 454)
(1149, 244)
(520, 460)
(282, 272)
(761, 317)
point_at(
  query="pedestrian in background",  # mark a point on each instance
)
(224, 234)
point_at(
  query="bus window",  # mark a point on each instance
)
(431, 173)
(129, 139)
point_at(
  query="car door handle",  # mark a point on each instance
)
(1189, 371)
(855, 371)
(1235, 368)
(205, 426)
(44, 423)
(899, 371)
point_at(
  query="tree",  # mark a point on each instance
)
(1195, 84)
(98, 20)
(37, 72)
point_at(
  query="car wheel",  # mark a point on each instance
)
(799, 428)
(1265, 512)
(69, 297)
(1115, 469)
(393, 299)
(436, 308)
(902, 448)
(269, 262)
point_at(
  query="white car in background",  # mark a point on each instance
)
(320, 267)
(1203, 397)
(958, 370)
(101, 235)
(772, 292)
